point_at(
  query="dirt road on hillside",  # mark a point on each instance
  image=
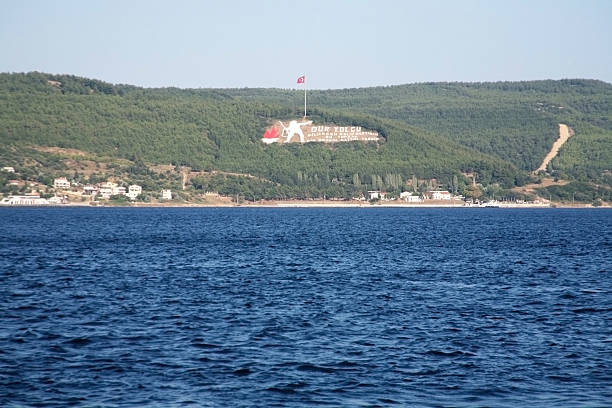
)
(564, 133)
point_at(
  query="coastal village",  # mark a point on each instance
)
(65, 192)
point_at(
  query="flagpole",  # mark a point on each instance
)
(305, 88)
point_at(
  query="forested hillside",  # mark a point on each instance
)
(497, 132)
(514, 121)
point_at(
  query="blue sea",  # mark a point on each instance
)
(256, 307)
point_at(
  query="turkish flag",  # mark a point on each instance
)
(301, 79)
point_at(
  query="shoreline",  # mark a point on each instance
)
(314, 204)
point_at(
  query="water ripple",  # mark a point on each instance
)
(305, 307)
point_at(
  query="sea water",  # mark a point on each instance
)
(305, 307)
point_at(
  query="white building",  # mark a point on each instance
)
(134, 191)
(24, 200)
(408, 197)
(119, 190)
(90, 190)
(8, 169)
(107, 189)
(58, 200)
(441, 195)
(377, 195)
(166, 194)
(105, 192)
(107, 184)
(61, 183)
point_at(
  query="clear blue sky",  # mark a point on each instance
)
(338, 44)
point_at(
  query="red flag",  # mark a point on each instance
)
(301, 79)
